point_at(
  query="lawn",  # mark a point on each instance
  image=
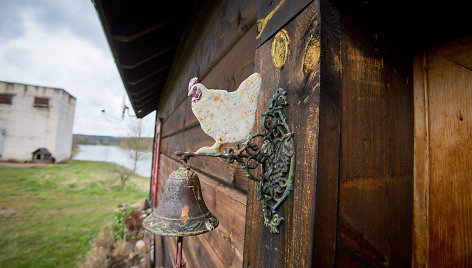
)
(48, 215)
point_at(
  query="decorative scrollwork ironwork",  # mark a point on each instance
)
(276, 156)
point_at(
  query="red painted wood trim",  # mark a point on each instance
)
(155, 162)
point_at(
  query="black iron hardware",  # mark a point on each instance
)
(276, 157)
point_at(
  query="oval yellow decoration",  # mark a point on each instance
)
(280, 48)
(312, 54)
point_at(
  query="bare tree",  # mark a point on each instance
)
(136, 144)
(123, 173)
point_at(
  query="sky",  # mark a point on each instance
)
(60, 43)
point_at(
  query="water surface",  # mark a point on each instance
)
(115, 154)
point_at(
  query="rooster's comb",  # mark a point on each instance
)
(192, 82)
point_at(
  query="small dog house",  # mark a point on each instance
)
(42, 154)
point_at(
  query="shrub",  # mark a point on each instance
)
(133, 221)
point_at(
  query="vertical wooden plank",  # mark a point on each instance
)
(299, 76)
(158, 252)
(155, 161)
(376, 184)
(450, 111)
(324, 241)
(421, 164)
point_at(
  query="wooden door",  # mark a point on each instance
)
(443, 156)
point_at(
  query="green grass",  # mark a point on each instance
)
(49, 215)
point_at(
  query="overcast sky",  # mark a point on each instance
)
(60, 43)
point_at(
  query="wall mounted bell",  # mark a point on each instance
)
(182, 211)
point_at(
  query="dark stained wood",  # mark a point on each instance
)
(351, 108)
(444, 158)
(169, 249)
(324, 233)
(458, 52)
(188, 140)
(142, 49)
(236, 66)
(375, 190)
(273, 15)
(193, 139)
(126, 18)
(176, 122)
(159, 251)
(359, 247)
(223, 246)
(207, 252)
(141, 86)
(219, 48)
(233, 20)
(293, 246)
(408, 25)
(140, 33)
(156, 65)
(182, 129)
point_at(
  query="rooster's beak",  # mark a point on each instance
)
(189, 94)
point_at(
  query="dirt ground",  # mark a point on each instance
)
(28, 165)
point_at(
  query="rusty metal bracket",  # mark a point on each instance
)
(276, 157)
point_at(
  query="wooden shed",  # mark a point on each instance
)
(42, 155)
(380, 97)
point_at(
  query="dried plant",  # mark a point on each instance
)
(121, 249)
(103, 239)
(113, 246)
(96, 258)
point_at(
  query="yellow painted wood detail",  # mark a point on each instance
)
(262, 23)
(312, 54)
(280, 49)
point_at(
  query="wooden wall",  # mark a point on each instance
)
(352, 111)
(218, 47)
(443, 155)
(364, 188)
(376, 172)
(299, 75)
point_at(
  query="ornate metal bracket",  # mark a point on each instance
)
(276, 157)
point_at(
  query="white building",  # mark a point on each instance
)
(33, 117)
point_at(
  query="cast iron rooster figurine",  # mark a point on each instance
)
(227, 117)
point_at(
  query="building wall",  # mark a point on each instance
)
(219, 49)
(65, 123)
(27, 127)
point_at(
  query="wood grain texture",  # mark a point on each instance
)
(421, 164)
(230, 71)
(191, 140)
(292, 247)
(218, 47)
(324, 233)
(201, 53)
(222, 247)
(376, 183)
(273, 15)
(449, 91)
